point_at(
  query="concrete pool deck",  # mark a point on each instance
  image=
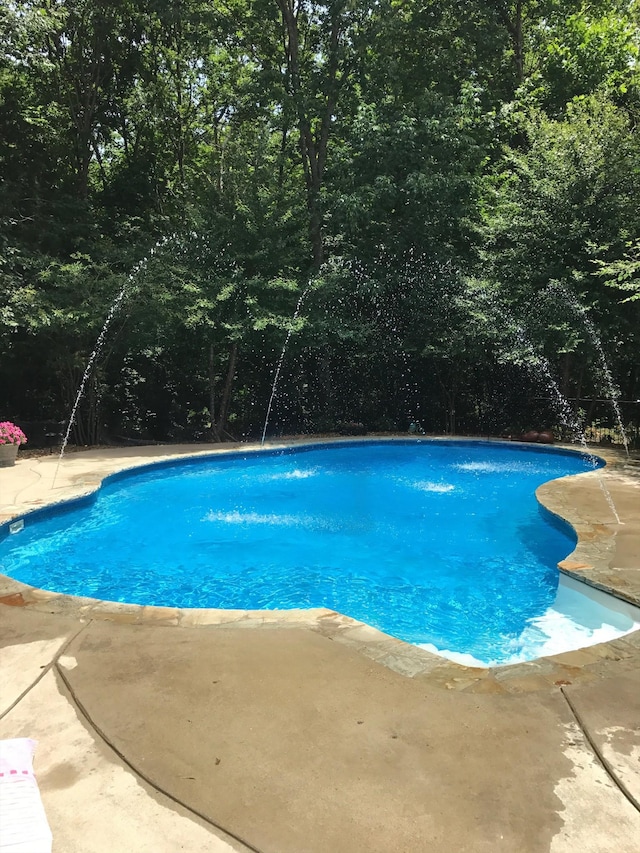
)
(166, 730)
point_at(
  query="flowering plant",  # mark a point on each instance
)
(11, 434)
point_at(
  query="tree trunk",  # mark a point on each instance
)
(314, 130)
(215, 435)
(221, 426)
(315, 233)
(518, 43)
(567, 362)
(512, 22)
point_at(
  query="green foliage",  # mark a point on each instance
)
(560, 209)
(409, 178)
(572, 188)
(624, 273)
(427, 175)
(596, 47)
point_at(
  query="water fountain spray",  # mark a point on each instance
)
(558, 289)
(568, 418)
(113, 311)
(276, 376)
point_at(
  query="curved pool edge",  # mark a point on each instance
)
(607, 552)
(83, 473)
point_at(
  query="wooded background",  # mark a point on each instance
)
(452, 186)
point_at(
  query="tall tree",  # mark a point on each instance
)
(317, 41)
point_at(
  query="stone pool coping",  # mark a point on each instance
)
(607, 556)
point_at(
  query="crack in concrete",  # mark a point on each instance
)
(135, 770)
(45, 669)
(609, 770)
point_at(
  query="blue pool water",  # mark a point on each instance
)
(438, 543)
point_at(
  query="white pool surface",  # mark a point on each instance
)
(580, 616)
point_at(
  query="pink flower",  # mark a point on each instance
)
(11, 434)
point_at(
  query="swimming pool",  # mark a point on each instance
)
(439, 543)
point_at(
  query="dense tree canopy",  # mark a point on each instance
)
(446, 191)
